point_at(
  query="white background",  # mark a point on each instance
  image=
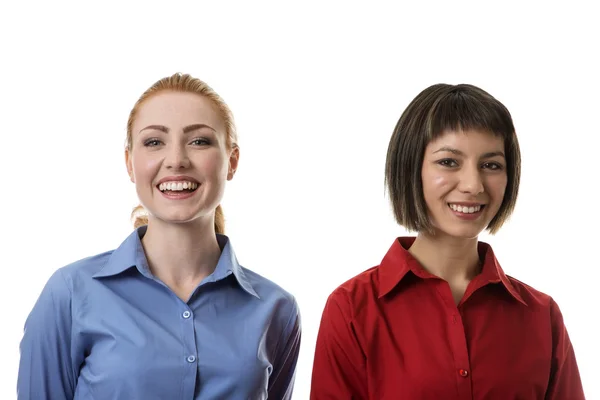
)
(316, 90)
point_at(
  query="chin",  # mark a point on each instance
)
(172, 220)
(179, 217)
(465, 233)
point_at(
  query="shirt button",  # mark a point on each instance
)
(463, 372)
(191, 359)
(187, 314)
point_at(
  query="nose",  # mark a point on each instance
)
(177, 157)
(471, 181)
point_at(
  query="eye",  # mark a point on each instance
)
(152, 142)
(448, 162)
(494, 166)
(200, 142)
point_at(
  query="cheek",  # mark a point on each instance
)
(145, 167)
(214, 164)
(496, 186)
(435, 185)
(440, 181)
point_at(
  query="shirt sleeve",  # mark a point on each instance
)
(45, 369)
(565, 382)
(339, 370)
(281, 382)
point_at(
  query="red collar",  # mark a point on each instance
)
(398, 262)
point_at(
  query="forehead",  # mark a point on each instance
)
(176, 110)
(468, 141)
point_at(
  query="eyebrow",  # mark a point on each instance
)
(460, 153)
(187, 129)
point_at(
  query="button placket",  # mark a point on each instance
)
(458, 343)
(189, 354)
(187, 315)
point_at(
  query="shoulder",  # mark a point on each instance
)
(544, 308)
(364, 283)
(357, 291)
(63, 280)
(85, 268)
(56, 300)
(533, 297)
(269, 291)
(277, 302)
(539, 302)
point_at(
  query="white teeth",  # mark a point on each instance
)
(177, 186)
(464, 209)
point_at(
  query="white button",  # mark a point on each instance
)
(186, 314)
(191, 359)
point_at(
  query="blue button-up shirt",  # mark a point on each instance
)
(106, 328)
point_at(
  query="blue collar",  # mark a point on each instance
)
(131, 254)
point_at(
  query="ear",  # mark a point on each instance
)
(128, 163)
(234, 158)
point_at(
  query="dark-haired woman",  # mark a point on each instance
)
(438, 318)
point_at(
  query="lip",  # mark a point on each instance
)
(177, 178)
(470, 216)
(466, 203)
(178, 195)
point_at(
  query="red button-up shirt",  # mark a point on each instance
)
(394, 332)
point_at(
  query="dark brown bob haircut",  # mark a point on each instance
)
(437, 109)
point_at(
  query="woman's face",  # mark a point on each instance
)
(179, 159)
(464, 180)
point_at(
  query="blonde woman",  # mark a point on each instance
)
(170, 313)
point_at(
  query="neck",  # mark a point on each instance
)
(450, 258)
(181, 253)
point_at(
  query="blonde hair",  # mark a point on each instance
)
(187, 84)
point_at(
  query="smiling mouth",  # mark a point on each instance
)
(466, 209)
(178, 187)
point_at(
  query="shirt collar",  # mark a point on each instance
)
(398, 262)
(131, 254)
